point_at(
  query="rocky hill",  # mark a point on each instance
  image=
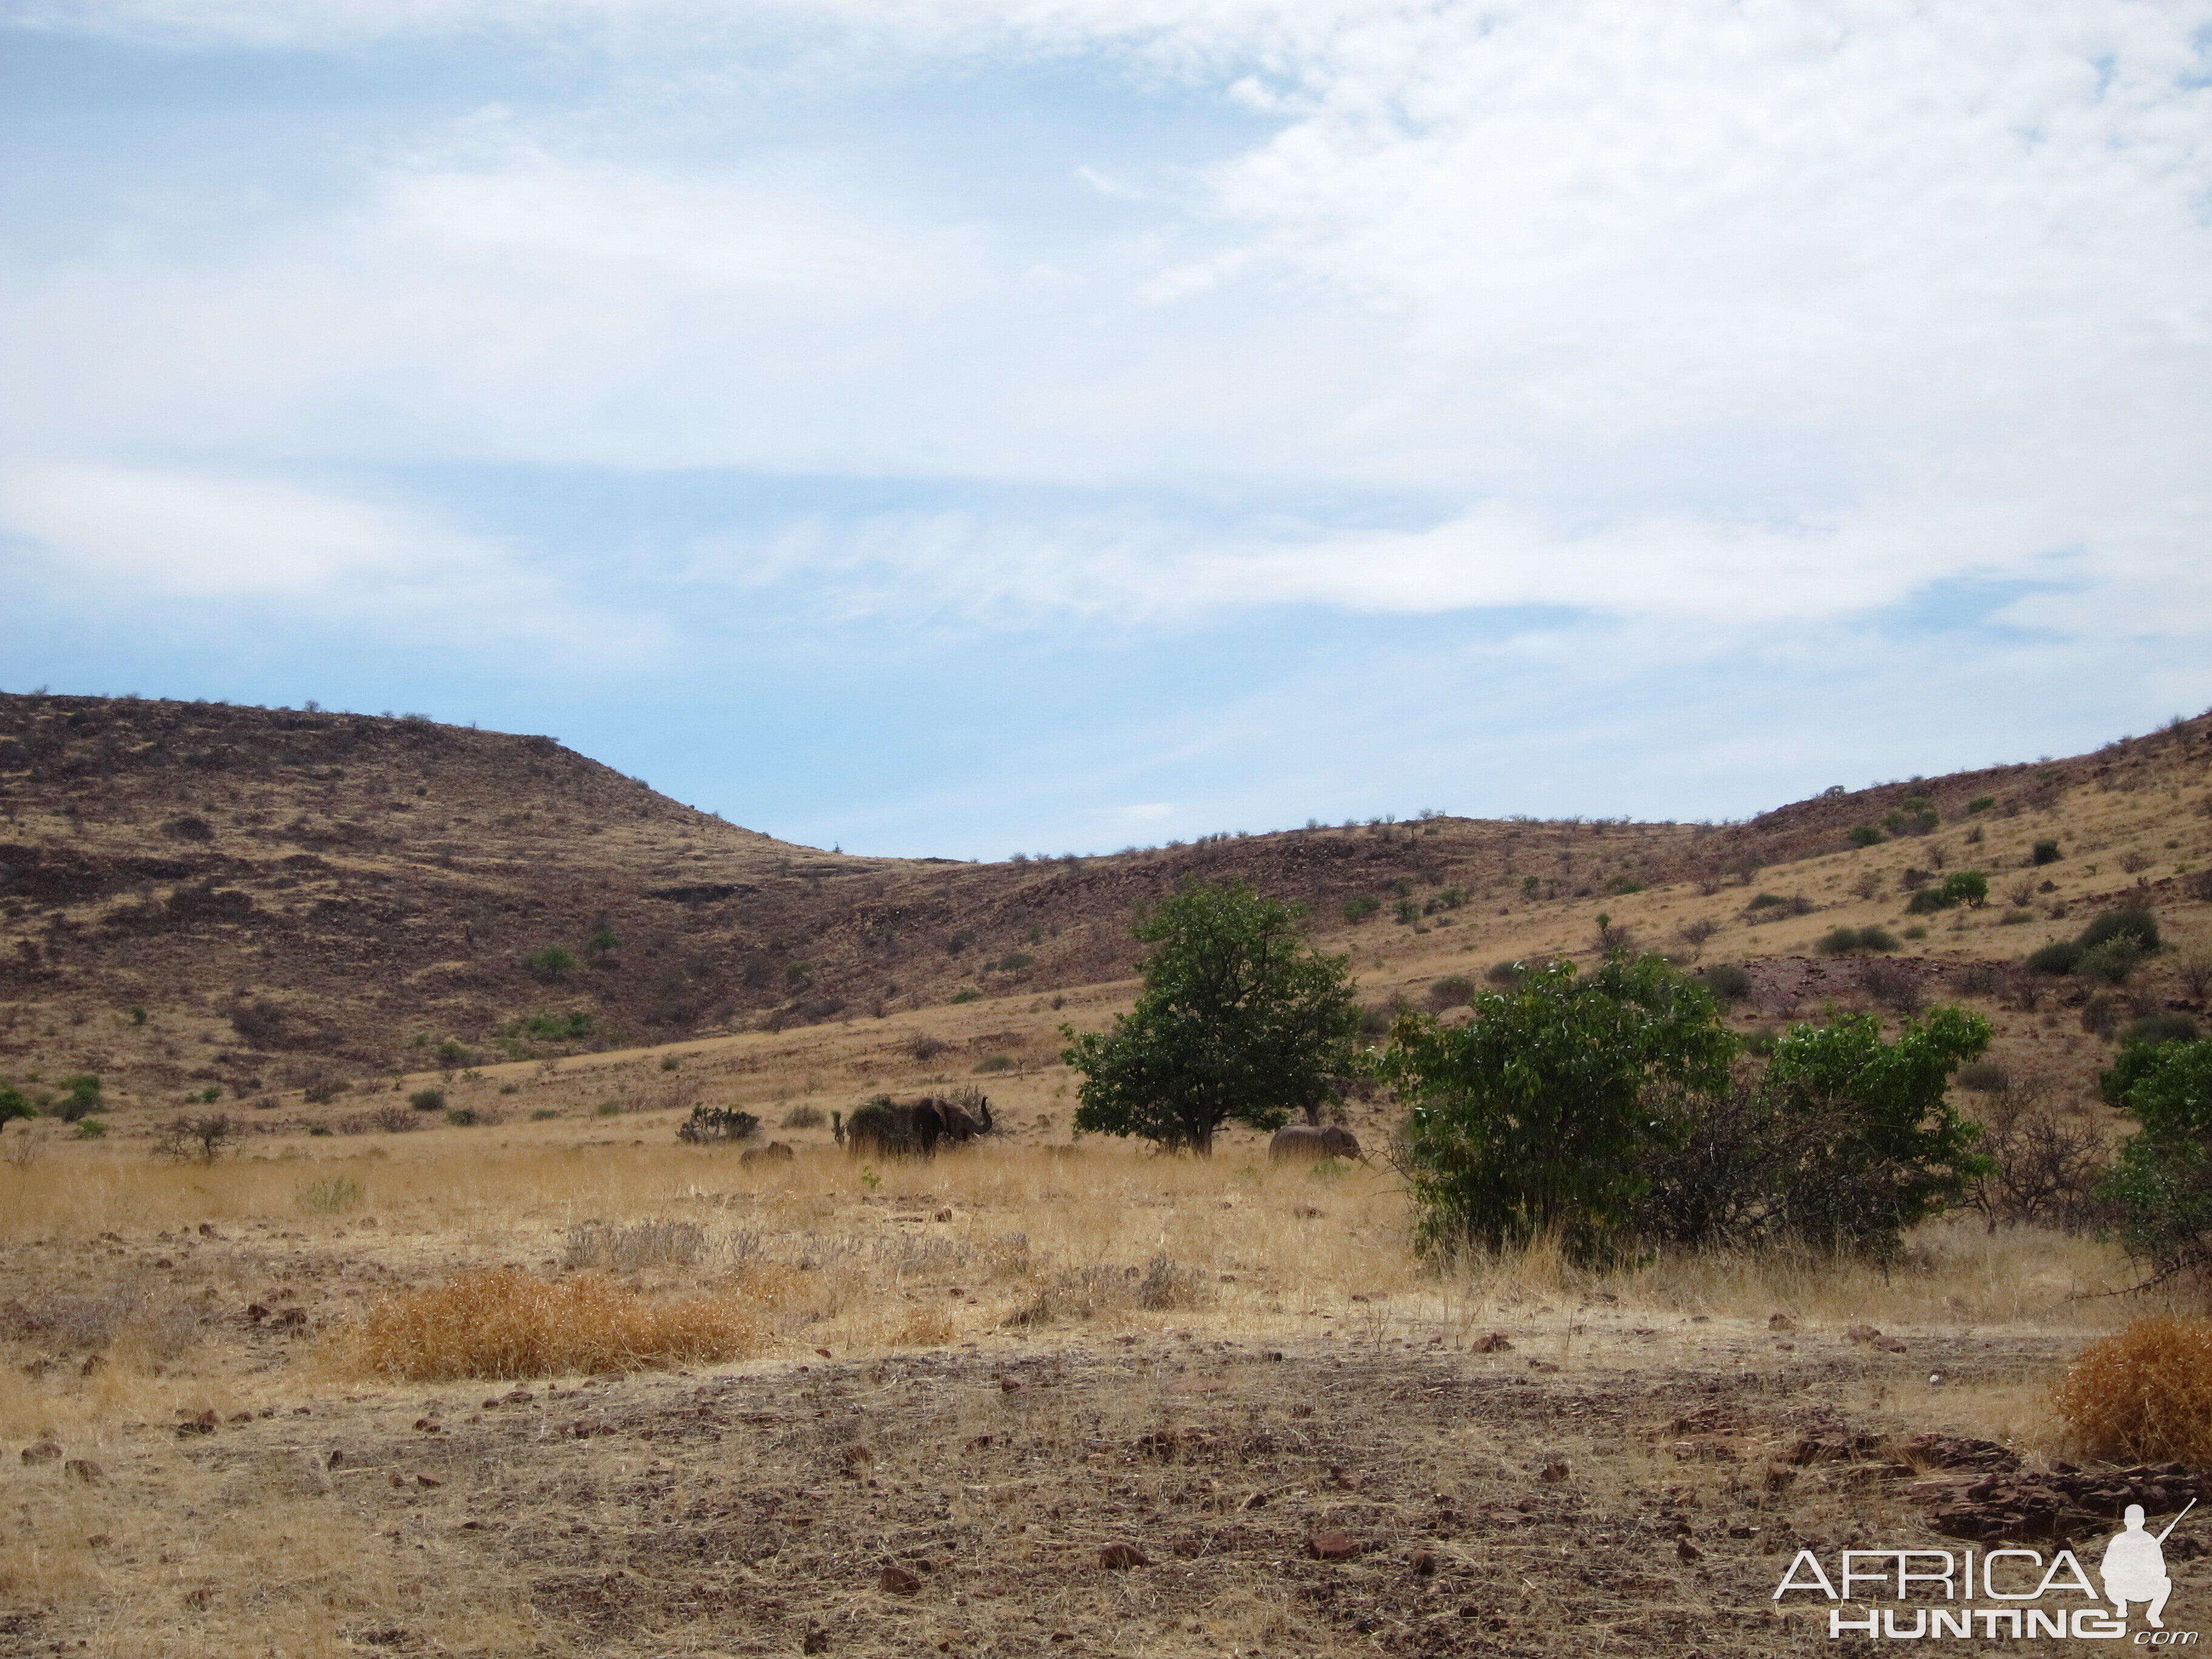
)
(199, 896)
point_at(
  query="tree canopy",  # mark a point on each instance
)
(1240, 1020)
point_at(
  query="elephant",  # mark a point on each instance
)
(885, 1127)
(1307, 1141)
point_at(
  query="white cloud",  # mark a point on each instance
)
(125, 539)
(1703, 311)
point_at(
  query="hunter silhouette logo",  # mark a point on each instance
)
(2134, 1567)
(2033, 1597)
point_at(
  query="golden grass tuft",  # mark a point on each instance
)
(2145, 1394)
(503, 1322)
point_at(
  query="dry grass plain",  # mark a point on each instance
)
(945, 1389)
(979, 1372)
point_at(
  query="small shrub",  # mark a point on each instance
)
(1913, 816)
(427, 1100)
(1842, 940)
(2196, 974)
(1405, 913)
(965, 993)
(2057, 958)
(1980, 979)
(2144, 1395)
(2135, 923)
(804, 1117)
(1981, 803)
(2015, 918)
(330, 1195)
(15, 1103)
(90, 1128)
(1765, 900)
(1728, 980)
(713, 1123)
(1696, 931)
(81, 1098)
(392, 1119)
(669, 1062)
(504, 1324)
(200, 1139)
(2111, 961)
(1893, 984)
(1507, 976)
(1974, 836)
(2100, 1015)
(1925, 900)
(2161, 1028)
(995, 1063)
(462, 1117)
(2044, 852)
(1915, 932)
(1165, 1285)
(544, 1115)
(1985, 1077)
(1360, 906)
(551, 964)
(1866, 835)
(1453, 991)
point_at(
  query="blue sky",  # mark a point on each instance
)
(936, 426)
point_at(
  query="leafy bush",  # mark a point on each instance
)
(965, 993)
(1538, 1117)
(13, 1103)
(462, 1117)
(551, 964)
(1728, 980)
(1967, 887)
(1884, 1149)
(1507, 974)
(603, 939)
(1360, 906)
(2057, 958)
(2144, 1395)
(1913, 816)
(2130, 923)
(1765, 900)
(2044, 852)
(90, 1128)
(2111, 961)
(1981, 803)
(713, 1123)
(2162, 1181)
(2100, 1015)
(427, 1100)
(81, 1098)
(1866, 835)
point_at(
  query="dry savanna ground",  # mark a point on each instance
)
(959, 1383)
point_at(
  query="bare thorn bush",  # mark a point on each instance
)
(642, 1245)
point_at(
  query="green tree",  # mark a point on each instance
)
(551, 964)
(1239, 1019)
(1539, 1114)
(1876, 1147)
(13, 1103)
(2162, 1181)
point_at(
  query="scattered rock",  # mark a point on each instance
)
(255, 1311)
(1780, 1321)
(1333, 1546)
(1687, 1551)
(2066, 1503)
(43, 1451)
(1947, 1451)
(817, 1640)
(429, 1480)
(898, 1582)
(1121, 1556)
(199, 1423)
(94, 1365)
(1889, 1345)
(85, 1470)
(1861, 1333)
(1554, 1472)
(1493, 1343)
(1424, 1563)
(1542, 1365)
(944, 1215)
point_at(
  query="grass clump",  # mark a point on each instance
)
(2144, 1395)
(502, 1322)
(332, 1196)
(803, 1116)
(427, 1100)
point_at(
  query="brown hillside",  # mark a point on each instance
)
(196, 895)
